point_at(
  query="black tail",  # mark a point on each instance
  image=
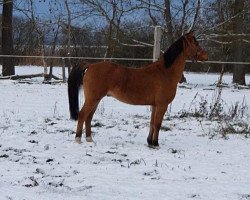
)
(74, 83)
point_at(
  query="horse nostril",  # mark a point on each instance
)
(205, 57)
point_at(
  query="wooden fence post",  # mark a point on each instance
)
(157, 43)
(63, 70)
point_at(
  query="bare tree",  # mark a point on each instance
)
(55, 31)
(238, 70)
(196, 15)
(227, 33)
(68, 29)
(38, 27)
(221, 24)
(7, 38)
(112, 11)
(169, 23)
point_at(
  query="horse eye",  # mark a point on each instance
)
(195, 41)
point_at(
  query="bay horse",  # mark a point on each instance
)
(154, 85)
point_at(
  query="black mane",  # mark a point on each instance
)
(173, 52)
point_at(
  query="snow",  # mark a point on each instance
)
(40, 160)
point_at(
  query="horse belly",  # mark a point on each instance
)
(130, 97)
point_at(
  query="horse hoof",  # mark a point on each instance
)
(78, 140)
(89, 139)
(149, 140)
(154, 147)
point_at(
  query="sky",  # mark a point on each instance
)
(41, 6)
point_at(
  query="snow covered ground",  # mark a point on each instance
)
(40, 160)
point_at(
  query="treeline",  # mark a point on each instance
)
(124, 29)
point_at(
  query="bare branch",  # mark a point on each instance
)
(195, 15)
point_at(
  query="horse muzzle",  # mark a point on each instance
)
(202, 56)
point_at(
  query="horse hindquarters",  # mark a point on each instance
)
(95, 88)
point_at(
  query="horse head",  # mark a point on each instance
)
(193, 49)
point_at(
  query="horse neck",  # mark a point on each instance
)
(175, 71)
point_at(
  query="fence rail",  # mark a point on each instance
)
(103, 58)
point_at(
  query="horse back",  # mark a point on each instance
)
(140, 86)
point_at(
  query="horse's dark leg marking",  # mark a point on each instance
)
(88, 124)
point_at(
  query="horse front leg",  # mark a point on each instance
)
(158, 117)
(151, 129)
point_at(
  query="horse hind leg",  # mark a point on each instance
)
(83, 115)
(88, 125)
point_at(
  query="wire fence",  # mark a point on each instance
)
(64, 58)
(125, 59)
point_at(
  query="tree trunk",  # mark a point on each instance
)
(170, 34)
(168, 20)
(238, 70)
(110, 41)
(68, 60)
(7, 39)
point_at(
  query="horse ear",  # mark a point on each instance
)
(190, 33)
